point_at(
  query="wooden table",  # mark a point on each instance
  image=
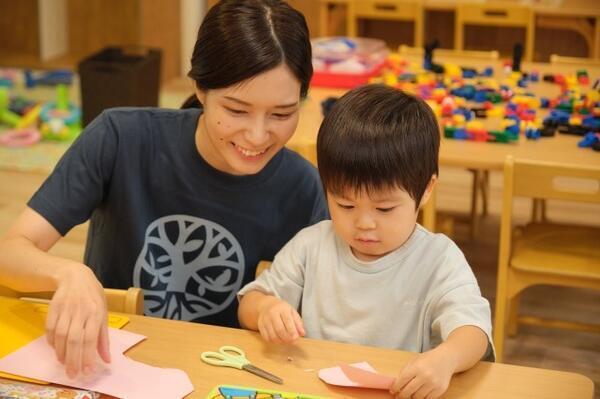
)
(178, 344)
(460, 153)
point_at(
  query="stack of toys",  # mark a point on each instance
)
(24, 122)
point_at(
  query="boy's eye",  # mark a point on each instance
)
(386, 210)
(235, 111)
(344, 206)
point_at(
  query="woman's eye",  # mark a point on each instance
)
(282, 116)
(236, 111)
(386, 210)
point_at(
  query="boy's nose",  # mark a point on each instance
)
(365, 222)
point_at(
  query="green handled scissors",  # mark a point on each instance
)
(232, 356)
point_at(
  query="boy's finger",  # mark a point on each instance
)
(290, 326)
(299, 323)
(279, 329)
(409, 389)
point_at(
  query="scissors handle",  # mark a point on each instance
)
(228, 356)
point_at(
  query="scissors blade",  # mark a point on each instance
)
(262, 373)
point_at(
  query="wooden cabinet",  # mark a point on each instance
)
(89, 26)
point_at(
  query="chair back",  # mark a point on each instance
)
(492, 55)
(129, 301)
(556, 59)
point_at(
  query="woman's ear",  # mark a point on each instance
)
(201, 95)
(428, 191)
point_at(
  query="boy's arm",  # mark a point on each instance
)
(250, 307)
(429, 373)
(270, 303)
(464, 347)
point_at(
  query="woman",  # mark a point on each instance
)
(183, 203)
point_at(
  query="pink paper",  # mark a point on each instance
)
(123, 377)
(360, 375)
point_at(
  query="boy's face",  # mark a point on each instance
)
(376, 224)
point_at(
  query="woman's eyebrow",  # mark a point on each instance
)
(241, 102)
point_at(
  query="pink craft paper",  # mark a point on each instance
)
(359, 375)
(123, 377)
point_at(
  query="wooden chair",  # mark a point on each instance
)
(556, 59)
(492, 55)
(544, 253)
(262, 266)
(123, 301)
(395, 10)
(495, 14)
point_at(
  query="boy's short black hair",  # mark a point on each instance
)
(375, 138)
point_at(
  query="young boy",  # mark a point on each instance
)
(371, 275)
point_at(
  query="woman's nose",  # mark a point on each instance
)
(257, 134)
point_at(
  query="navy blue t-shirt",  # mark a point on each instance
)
(164, 220)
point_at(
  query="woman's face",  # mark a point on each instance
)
(243, 126)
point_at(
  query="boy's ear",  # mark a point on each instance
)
(428, 191)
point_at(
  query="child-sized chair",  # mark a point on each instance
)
(123, 301)
(544, 252)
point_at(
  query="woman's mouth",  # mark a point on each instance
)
(249, 153)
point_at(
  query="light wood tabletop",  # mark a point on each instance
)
(178, 344)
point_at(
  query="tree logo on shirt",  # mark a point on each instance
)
(188, 267)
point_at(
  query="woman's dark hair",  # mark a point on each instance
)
(377, 137)
(240, 39)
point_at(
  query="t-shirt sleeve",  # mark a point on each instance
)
(81, 178)
(285, 278)
(463, 306)
(460, 302)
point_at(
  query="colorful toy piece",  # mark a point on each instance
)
(61, 120)
(52, 78)
(7, 117)
(20, 137)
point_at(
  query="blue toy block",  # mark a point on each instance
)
(480, 96)
(522, 82)
(588, 140)
(489, 71)
(52, 78)
(460, 134)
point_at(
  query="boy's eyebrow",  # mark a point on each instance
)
(241, 102)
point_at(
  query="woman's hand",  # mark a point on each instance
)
(279, 322)
(77, 320)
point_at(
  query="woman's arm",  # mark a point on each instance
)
(76, 325)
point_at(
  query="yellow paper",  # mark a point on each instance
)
(22, 322)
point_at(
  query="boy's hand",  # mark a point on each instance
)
(279, 322)
(426, 376)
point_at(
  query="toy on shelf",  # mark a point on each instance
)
(7, 77)
(20, 137)
(7, 117)
(51, 78)
(347, 62)
(61, 120)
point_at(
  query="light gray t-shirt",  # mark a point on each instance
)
(410, 299)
